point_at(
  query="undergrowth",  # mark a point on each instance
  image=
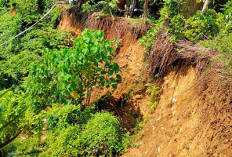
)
(222, 43)
(153, 90)
(46, 84)
(46, 88)
(56, 114)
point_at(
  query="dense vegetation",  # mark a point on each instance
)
(46, 82)
(46, 86)
(208, 28)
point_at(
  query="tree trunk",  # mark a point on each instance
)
(132, 7)
(206, 4)
(145, 9)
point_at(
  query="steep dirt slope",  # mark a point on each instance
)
(197, 124)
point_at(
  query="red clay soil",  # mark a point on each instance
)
(199, 123)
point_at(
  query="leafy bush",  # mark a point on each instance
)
(37, 40)
(202, 26)
(228, 15)
(72, 74)
(65, 114)
(173, 6)
(177, 27)
(63, 141)
(11, 114)
(31, 10)
(56, 131)
(17, 56)
(198, 27)
(9, 27)
(170, 9)
(17, 67)
(63, 124)
(222, 43)
(103, 135)
(148, 40)
(107, 6)
(4, 3)
(139, 124)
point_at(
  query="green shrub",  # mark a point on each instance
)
(4, 3)
(25, 146)
(202, 26)
(55, 131)
(139, 125)
(31, 10)
(64, 141)
(222, 43)
(17, 55)
(65, 114)
(63, 125)
(106, 7)
(9, 27)
(17, 67)
(173, 7)
(72, 74)
(148, 40)
(103, 136)
(12, 114)
(177, 27)
(37, 40)
(228, 15)
(170, 9)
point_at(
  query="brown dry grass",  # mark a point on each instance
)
(165, 54)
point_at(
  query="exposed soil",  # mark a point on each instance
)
(71, 20)
(197, 124)
(130, 59)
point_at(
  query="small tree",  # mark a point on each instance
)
(145, 9)
(72, 74)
